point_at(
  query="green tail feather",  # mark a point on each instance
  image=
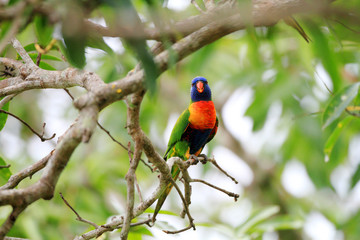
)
(175, 174)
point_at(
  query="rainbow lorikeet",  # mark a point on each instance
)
(195, 127)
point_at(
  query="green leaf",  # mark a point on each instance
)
(325, 53)
(4, 28)
(161, 212)
(96, 41)
(46, 66)
(356, 177)
(338, 103)
(74, 34)
(257, 218)
(4, 116)
(126, 13)
(75, 50)
(44, 57)
(30, 47)
(5, 173)
(43, 30)
(329, 145)
(279, 223)
(142, 230)
(147, 61)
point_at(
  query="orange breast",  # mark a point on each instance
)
(202, 115)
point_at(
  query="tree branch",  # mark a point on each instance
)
(9, 222)
(78, 217)
(41, 136)
(15, 179)
(22, 52)
(6, 99)
(133, 110)
(44, 188)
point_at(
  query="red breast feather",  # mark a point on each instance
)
(202, 115)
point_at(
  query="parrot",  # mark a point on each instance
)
(195, 127)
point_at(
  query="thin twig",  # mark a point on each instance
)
(182, 165)
(114, 224)
(41, 136)
(5, 166)
(122, 145)
(357, 115)
(230, 194)
(22, 52)
(78, 217)
(138, 189)
(109, 134)
(187, 190)
(178, 231)
(326, 86)
(135, 179)
(38, 59)
(147, 222)
(15, 179)
(112, 138)
(68, 92)
(213, 161)
(193, 2)
(186, 208)
(6, 99)
(15, 238)
(346, 26)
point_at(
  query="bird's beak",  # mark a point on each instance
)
(200, 86)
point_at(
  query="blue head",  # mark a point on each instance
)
(200, 90)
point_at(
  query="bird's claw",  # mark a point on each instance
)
(193, 159)
(205, 158)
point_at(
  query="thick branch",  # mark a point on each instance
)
(133, 110)
(9, 222)
(44, 188)
(33, 77)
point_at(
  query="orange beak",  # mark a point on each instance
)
(200, 86)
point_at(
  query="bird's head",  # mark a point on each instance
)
(200, 90)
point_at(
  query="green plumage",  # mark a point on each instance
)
(175, 147)
(180, 126)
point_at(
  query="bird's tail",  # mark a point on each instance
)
(293, 23)
(175, 174)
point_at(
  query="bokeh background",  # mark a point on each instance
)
(270, 88)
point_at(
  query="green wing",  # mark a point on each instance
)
(180, 126)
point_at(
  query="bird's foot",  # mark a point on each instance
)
(205, 158)
(193, 159)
